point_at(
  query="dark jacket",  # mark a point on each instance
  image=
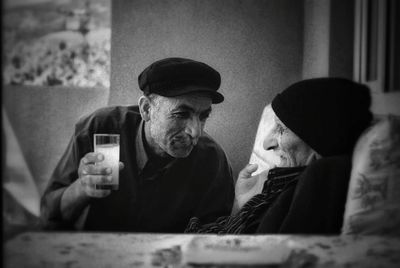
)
(315, 205)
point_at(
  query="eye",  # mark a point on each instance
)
(181, 114)
(279, 129)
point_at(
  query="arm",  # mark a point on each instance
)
(212, 214)
(73, 201)
(248, 186)
(77, 196)
(72, 185)
(218, 198)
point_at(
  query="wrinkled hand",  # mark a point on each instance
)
(248, 186)
(91, 174)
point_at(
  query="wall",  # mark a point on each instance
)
(328, 38)
(316, 38)
(256, 46)
(43, 120)
(341, 52)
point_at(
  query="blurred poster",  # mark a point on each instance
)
(57, 42)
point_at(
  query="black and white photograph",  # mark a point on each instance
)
(201, 133)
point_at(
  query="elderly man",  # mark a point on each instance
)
(171, 170)
(316, 124)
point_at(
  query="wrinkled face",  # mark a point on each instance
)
(176, 124)
(287, 146)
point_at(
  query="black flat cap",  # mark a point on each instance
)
(178, 76)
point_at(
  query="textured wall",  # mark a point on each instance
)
(43, 120)
(255, 44)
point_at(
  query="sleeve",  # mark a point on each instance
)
(65, 173)
(315, 205)
(218, 199)
(244, 222)
(217, 227)
(319, 199)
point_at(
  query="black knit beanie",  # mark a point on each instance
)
(328, 114)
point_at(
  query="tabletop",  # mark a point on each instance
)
(77, 249)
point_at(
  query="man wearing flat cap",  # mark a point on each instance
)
(316, 123)
(170, 169)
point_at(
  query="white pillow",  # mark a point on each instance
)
(373, 199)
(265, 159)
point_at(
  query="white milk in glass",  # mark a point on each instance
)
(111, 159)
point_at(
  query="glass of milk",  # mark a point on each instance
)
(108, 145)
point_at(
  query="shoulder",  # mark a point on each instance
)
(327, 171)
(208, 144)
(108, 118)
(333, 163)
(209, 150)
(211, 162)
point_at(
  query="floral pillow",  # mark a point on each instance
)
(373, 199)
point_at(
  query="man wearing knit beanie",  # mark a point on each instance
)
(316, 124)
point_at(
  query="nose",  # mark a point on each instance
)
(270, 143)
(194, 128)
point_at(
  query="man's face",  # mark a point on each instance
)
(177, 123)
(287, 146)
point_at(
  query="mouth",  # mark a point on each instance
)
(279, 158)
(183, 142)
(287, 161)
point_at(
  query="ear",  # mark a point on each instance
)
(144, 107)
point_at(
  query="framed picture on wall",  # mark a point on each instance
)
(57, 43)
